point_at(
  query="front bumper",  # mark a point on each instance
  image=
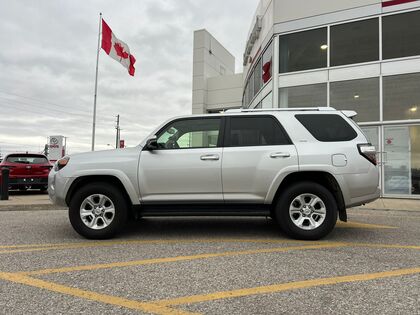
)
(58, 187)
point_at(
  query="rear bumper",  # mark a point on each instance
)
(28, 181)
(360, 188)
(357, 201)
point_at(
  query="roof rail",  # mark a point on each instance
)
(242, 110)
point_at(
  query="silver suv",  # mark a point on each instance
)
(303, 167)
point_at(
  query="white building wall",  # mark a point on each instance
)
(286, 10)
(210, 61)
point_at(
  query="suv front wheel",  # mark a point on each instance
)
(306, 211)
(98, 210)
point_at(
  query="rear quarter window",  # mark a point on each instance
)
(327, 127)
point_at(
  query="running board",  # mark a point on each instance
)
(203, 210)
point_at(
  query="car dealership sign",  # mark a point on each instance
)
(56, 147)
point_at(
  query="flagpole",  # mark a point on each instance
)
(96, 84)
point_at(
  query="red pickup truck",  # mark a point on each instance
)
(27, 170)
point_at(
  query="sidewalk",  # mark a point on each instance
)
(28, 202)
(392, 204)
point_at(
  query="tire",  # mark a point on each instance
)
(89, 198)
(302, 216)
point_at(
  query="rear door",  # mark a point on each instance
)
(257, 149)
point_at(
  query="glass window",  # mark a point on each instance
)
(190, 133)
(303, 50)
(402, 161)
(27, 159)
(361, 96)
(327, 127)
(401, 35)
(312, 95)
(251, 87)
(245, 96)
(255, 131)
(267, 63)
(354, 42)
(257, 77)
(267, 102)
(401, 95)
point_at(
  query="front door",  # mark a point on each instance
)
(186, 166)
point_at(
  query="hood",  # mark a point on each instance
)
(105, 153)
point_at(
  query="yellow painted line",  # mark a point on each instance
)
(42, 247)
(181, 258)
(286, 287)
(373, 245)
(359, 225)
(90, 295)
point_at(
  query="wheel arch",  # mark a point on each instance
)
(110, 179)
(323, 178)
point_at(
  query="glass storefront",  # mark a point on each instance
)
(303, 50)
(360, 95)
(400, 35)
(312, 95)
(402, 96)
(401, 160)
(355, 42)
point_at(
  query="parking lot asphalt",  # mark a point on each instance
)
(370, 265)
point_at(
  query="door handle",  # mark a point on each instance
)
(209, 157)
(279, 155)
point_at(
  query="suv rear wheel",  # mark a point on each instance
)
(306, 211)
(98, 211)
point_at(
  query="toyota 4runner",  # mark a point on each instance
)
(303, 167)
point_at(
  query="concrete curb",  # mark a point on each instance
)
(30, 207)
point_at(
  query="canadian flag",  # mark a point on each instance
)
(117, 49)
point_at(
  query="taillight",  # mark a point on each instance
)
(368, 151)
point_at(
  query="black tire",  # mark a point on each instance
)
(284, 218)
(117, 198)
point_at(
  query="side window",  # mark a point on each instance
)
(327, 127)
(255, 131)
(190, 133)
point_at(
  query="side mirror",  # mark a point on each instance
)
(151, 144)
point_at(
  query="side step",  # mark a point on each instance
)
(203, 210)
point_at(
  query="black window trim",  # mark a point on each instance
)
(226, 132)
(220, 135)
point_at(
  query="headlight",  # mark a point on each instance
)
(61, 163)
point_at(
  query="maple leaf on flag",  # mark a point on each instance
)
(120, 51)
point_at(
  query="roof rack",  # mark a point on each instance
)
(242, 110)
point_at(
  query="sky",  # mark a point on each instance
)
(48, 59)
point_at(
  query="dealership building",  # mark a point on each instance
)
(361, 55)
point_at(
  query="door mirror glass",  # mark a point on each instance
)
(151, 144)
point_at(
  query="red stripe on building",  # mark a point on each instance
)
(395, 2)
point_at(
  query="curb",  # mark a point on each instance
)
(29, 207)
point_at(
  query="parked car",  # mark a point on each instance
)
(302, 167)
(27, 170)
